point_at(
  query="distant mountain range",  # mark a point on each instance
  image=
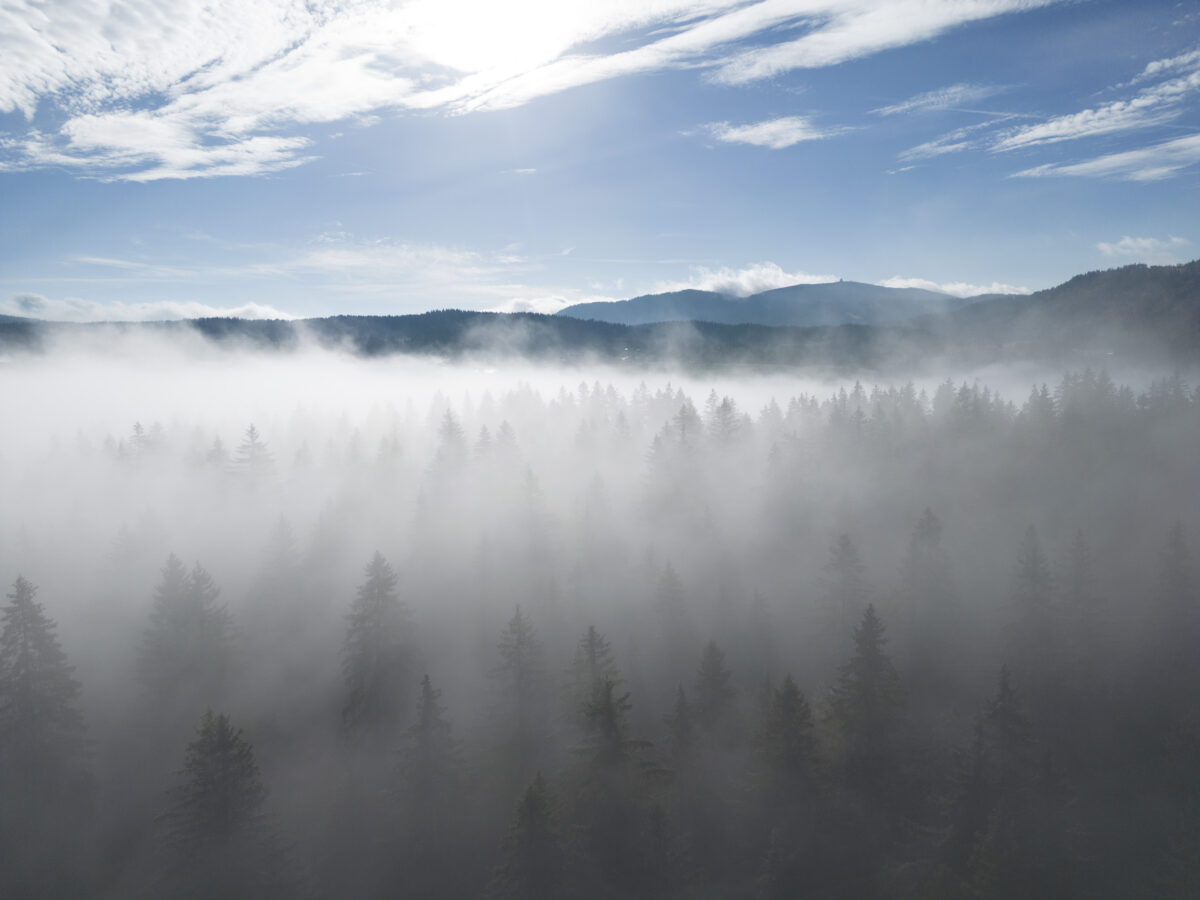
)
(829, 303)
(1136, 313)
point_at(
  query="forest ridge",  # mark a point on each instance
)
(1136, 313)
(885, 641)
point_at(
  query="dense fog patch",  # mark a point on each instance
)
(676, 631)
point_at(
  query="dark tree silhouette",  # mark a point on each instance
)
(714, 694)
(535, 860)
(521, 677)
(864, 708)
(376, 656)
(216, 841)
(43, 782)
(185, 653)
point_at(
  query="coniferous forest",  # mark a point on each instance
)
(471, 634)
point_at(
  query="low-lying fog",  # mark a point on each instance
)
(1037, 520)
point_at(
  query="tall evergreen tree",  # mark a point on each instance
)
(185, 653)
(714, 694)
(43, 782)
(845, 582)
(433, 809)
(593, 666)
(535, 858)
(215, 839)
(864, 708)
(521, 677)
(376, 656)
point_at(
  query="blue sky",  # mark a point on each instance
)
(287, 158)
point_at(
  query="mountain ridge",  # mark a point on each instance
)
(824, 303)
(1136, 313)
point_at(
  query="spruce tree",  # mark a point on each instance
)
(714, 694)
(185, 652)
(44, 791)
(593, 665)
(376, 656)
(535, 860)
(521, 678)
(864, 708)
(215, 839)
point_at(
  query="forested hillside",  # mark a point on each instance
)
(605, 640)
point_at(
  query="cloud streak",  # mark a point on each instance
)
(1152, 106)
(940, 99)
(1154, 163)
(775, 134)
(954, 288)
(1145, 249)
(743, 282)
(74, 309)
(192, 89)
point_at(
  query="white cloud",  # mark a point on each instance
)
(198, 88)
(842, 31)
(1145, 249)
(547, 305)
(942, 98)
(952, 142)
(1153, 163)
(1151, 106)
(954, 288)
(1161, 67)
(73, 309)
(773, 133)
(763, 276)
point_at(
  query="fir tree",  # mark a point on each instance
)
(864, 707)
(44, 795)
(713, 693)
(253, 457)
(534, 866)
(520, 675)
(185, 652)
(593, 666)
(376, 656)
(216, 841)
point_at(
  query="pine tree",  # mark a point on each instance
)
(846, 584)
(864, 707)
(216, 841)
(786, 743)
(253, 457)
(44, 796)
(430, 762)
(534, 866)
(521, 675)
(185, 652)
(714, 694)
(681, 735)
(376, 656)
(594, 665)
(929, 595)
(434, 813)
(1035, 645)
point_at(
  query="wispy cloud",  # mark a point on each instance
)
(1154, 163)
(742, 282)
(954, 288)
(203, 88)
(1161, 67)
(1151, 106)
(842, 31)
(73, 309)
(773, 133)
(956, 95)
(1145, 249)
